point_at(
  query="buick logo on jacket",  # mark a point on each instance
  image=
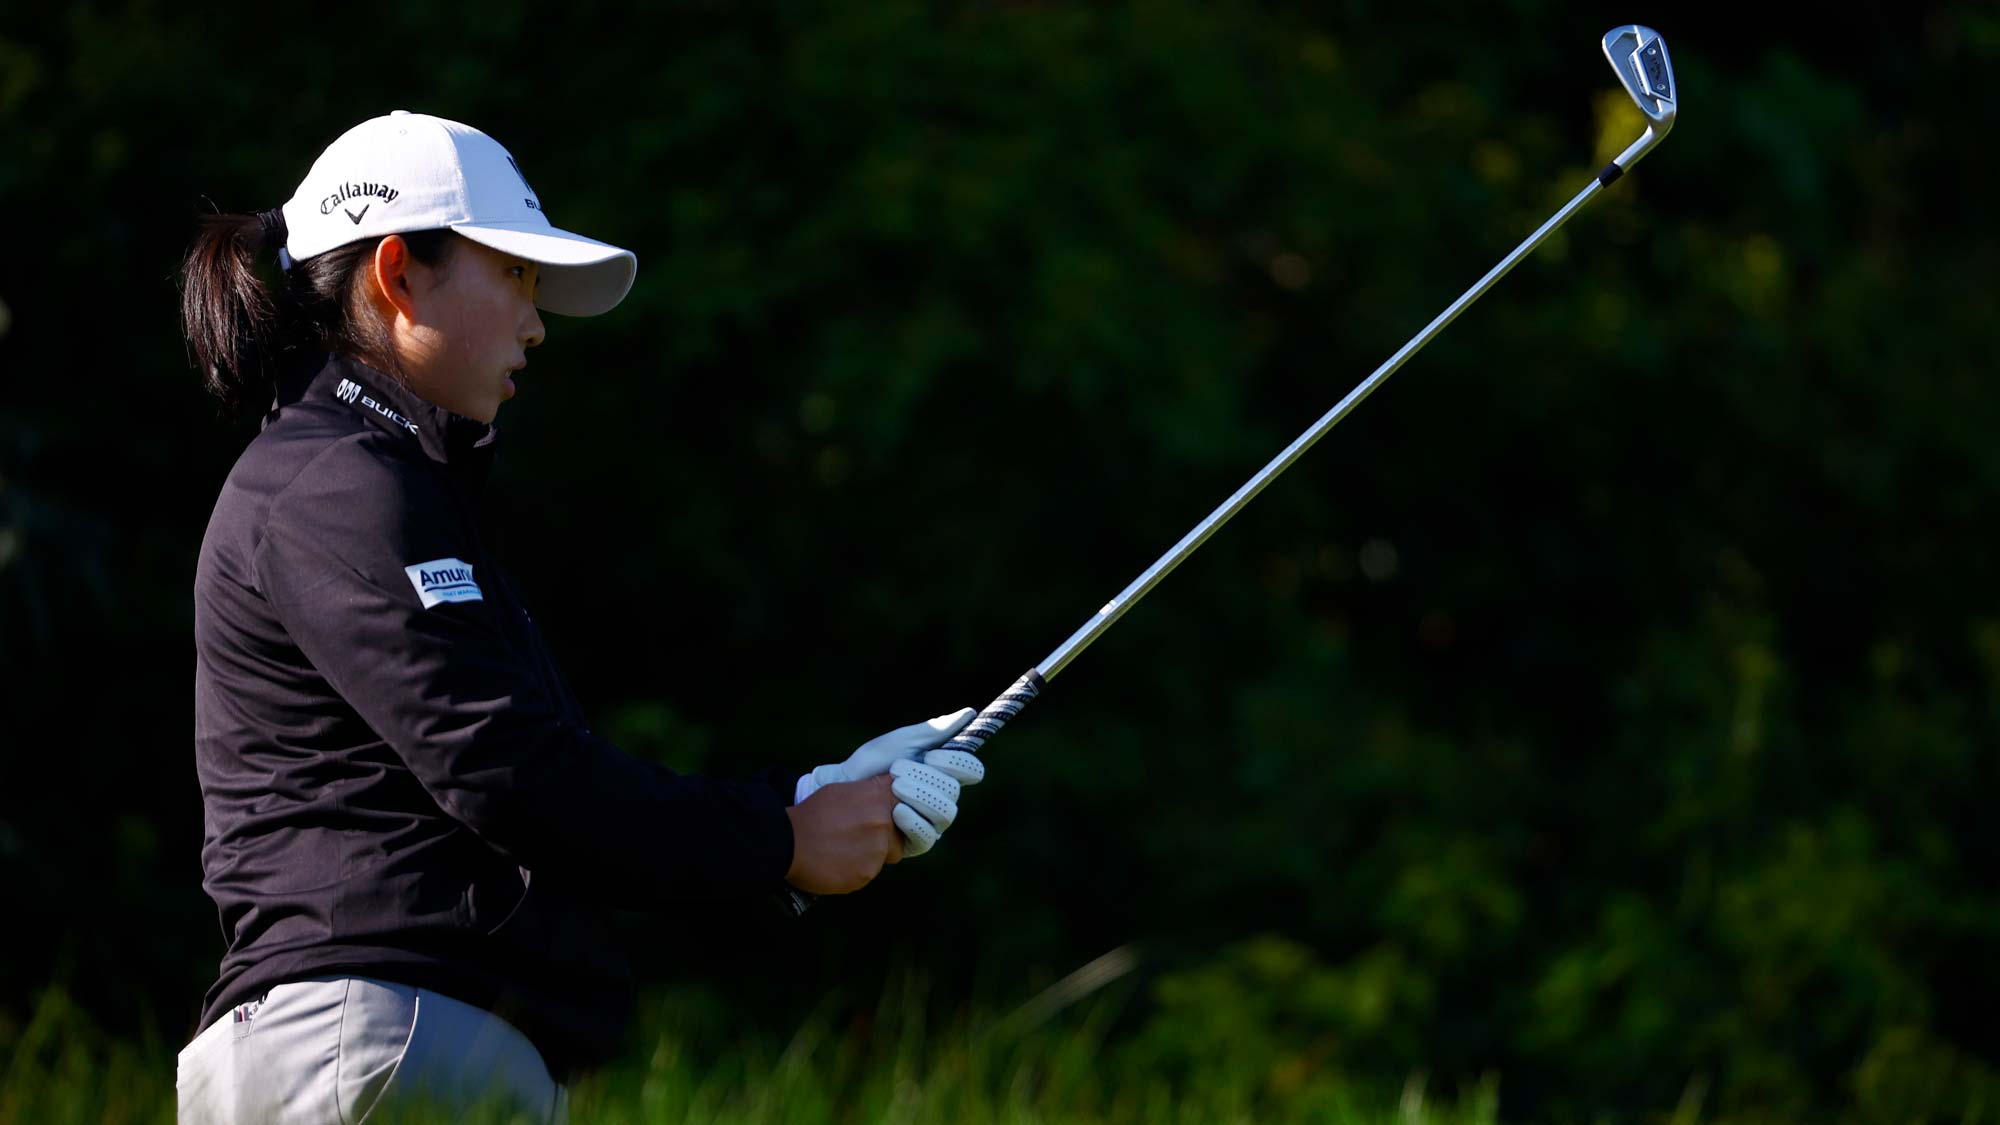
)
(350, 391)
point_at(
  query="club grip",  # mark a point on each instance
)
(984, 726)
(997, 714)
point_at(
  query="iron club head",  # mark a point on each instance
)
(1639, 55)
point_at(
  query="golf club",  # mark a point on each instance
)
(1639, 55)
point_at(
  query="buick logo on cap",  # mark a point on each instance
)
(533, 204)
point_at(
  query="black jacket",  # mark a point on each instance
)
(396, 780)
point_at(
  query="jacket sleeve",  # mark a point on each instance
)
(466, 711)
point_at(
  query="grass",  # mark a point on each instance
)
(886, 1066)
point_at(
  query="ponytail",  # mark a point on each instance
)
(230, 319)
(240, 330)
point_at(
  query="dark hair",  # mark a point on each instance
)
(241, 331)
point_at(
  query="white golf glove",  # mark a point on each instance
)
(928, 780)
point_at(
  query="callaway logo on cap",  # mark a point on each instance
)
(411, 171)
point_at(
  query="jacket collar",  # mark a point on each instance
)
(463, 444)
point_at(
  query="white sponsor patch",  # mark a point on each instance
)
(444, 580)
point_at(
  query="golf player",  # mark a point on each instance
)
(411, 833)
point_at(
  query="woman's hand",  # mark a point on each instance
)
(842, 835)
(876, 755)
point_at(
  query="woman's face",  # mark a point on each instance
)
(462, 331)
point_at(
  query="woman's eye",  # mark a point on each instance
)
(519, 271)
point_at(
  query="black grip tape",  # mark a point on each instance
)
(998, 713)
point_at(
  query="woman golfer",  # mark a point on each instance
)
(411, 833)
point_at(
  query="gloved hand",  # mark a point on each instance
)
(927, 782)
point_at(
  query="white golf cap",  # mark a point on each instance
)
(411, 171)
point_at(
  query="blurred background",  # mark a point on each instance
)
(1605, 713)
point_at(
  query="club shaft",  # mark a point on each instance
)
(1127, 598)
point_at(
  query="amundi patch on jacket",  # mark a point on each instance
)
(444, 580)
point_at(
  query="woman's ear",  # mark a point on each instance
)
(389, 277)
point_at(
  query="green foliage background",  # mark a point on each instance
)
(1608, 706)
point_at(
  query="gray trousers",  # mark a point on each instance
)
(344, 1050)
